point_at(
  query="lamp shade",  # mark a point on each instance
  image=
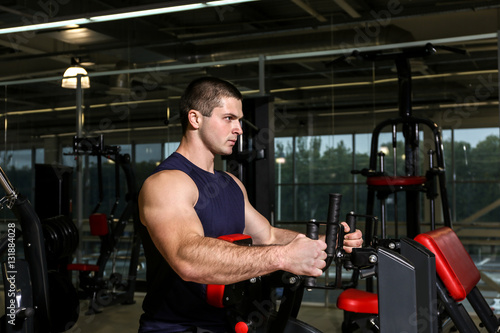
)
(69, 77)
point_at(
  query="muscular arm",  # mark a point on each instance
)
(166, 204)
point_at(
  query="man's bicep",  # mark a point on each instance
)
(257, 226)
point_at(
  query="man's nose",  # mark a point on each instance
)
(238, 128)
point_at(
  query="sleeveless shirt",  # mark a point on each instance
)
(172, 304)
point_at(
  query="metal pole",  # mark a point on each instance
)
(79, 171)
(279, 193)
(262, 75)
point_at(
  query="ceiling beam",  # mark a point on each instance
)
(347, 8)
(311, 11)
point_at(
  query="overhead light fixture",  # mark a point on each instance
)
(120, 16)
(70, 76)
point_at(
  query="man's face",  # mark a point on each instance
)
(220, 131)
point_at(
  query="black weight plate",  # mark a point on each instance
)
(65, 236)
(51, 240)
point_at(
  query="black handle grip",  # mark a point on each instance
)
(351, 221)
(312, 231)
(332, 223)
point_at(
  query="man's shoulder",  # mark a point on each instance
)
(174, 161)
(169, 184)
(168, 175)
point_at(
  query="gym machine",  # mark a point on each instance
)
(404, 273)
(381, 183)
(446, 276)
(36, 299)
(105, 290)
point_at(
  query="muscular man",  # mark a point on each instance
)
(186, 204)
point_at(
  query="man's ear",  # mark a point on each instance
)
(194, 118)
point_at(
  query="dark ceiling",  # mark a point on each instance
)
(138, 67)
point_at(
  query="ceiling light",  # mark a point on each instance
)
(70, 76)
(121, 16)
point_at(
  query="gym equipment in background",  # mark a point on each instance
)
(36, 299)
(252, 160)
(413, 181)
(95, 281)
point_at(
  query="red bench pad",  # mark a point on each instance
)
(359, 301)
(395, 181)
(83, 267)
(453, 263)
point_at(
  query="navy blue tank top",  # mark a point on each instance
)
(172, 304)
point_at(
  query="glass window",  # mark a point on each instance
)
(323, 159)
(170, 147)
(308, 169)
(18, 166)
(476, 157)
(362, 153)
(147, 157)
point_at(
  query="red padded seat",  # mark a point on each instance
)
(359, 301)
(83, 267)
(453, 263)
(396, 181)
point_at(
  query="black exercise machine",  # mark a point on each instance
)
(105, 290)
(252, 305)
(382, 184)
(405, 301)
(36, 299)
(404, 275)
(420, 284)
(444, 280)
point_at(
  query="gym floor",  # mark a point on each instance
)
(125, 318)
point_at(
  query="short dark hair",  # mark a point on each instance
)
(203, 95)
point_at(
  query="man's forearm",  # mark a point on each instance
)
(209, 260)
(283, 236)
(219, 262)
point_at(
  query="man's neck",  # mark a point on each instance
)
(201, 157)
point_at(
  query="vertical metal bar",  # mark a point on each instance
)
(432, 192)
(354, 176)
(453, 177)
(79, 171)
(395, 173)
(262, 75)
(498, 67)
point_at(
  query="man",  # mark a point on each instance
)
(186, 204)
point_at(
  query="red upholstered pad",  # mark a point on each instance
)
(98, 224)
(453, 264)
(83, 267)
(396, 181)
(355, 300)
(215, 295)
(239, 239)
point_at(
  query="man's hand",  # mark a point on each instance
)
(304, 256)
(352, 240)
